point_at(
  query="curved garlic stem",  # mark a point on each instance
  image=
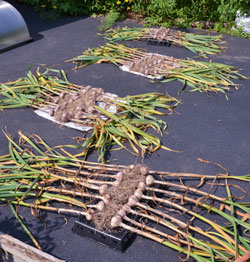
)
(58, 210)
(191, 200)
(77, 181)
(162, 214)
(160, 233)
(176, 195)
(74, 193)
(195, 190)
(189, 175)
(160, 221)
(93, 181)
(93, 167)
(142, 233)
(180, 207)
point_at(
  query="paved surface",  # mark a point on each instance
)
(207, 127)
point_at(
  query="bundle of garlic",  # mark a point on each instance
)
(126, 197)
(112, 119)
(152, 65)
(72, 105)
(199, 75)
(201, 44)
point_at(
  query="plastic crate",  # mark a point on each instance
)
(118, 240)
(152, 41)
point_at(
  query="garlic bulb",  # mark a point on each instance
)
(121, 213)
(115, 221)
(150, 180)
(62, 95)
(64, 118)
(119, 176)
(142, 186)
(103, 189)
(106, 201)
(138, 194)
(88, 216)
(116, 183)
(51, 112)
(143, 170)
(100, 206)
(56, 100)
(132, 201)
(126, 208)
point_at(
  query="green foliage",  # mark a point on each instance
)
(109, 20)
(52, 8)
(80, 7)
(162, 8)
(239, 32)
(181, 13)
(184, 13)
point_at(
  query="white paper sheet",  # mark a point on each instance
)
(126, 69)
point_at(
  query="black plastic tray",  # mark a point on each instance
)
(152, 41)
(118, 241)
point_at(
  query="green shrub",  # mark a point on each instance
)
(80, 7)
(156, 12)
(109, 20)
(68, 7)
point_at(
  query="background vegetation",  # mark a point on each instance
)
(217, 14)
